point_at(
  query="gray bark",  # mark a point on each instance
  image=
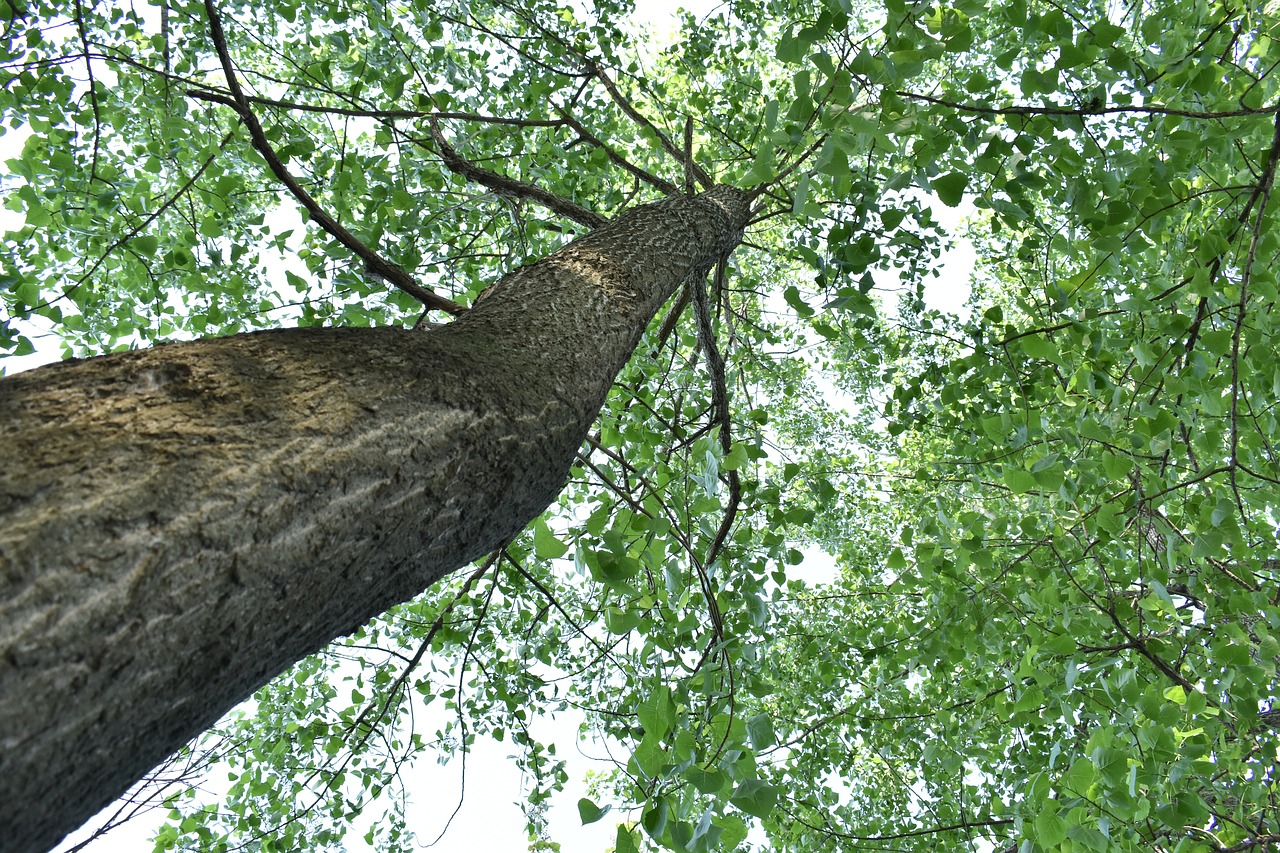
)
(180, 524)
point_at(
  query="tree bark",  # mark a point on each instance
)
(178, 525)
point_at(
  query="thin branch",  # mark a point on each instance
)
(597, 71)
(362, 112)
(510, 186)
(915, 833)
(142, 226)
(374, 263)
(554, 602)
(93, 90)
(688, 156)
(1262, 195)
(799, 161)
(719, 402)
(1084, 111)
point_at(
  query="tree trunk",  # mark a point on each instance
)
(180, 524)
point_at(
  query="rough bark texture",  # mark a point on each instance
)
(178, 525)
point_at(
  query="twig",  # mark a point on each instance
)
(374, 263)
(1262, 195)
(93, 90)
(138, 229)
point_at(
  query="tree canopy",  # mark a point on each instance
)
(1054, 515)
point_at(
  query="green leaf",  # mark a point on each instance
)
(1051, 830)
(545, 544)
(755, 797)
(1039, 347)
(950, 187)
(589, 812)
(625, 841)
(760, 732)
(792, 295)
(1018, 480)
(657, 713)
(649, 756)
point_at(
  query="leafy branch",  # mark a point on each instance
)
(374, 262)
(503, 185)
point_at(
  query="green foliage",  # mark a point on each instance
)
(1052, 515)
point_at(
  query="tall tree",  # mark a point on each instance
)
(1053, 513)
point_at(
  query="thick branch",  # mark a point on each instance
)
(597, 70)
(374, 263)
(510, 186)
(666, 186)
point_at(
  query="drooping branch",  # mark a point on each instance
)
(374, 262)
(719, 403)
(503, 185)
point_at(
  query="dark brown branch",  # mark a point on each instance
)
(688, 156)
(510, 186)
(374, 263)
(361, 112)
(672, 319)
(666, 186)
(1261, 195)
(915, 833)
(597, 71)
(795, 164)
(93, 90)
(719, 404)
(1084, 111)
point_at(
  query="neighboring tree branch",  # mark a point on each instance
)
(510, 186)
(374, 263)
(597, 71)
